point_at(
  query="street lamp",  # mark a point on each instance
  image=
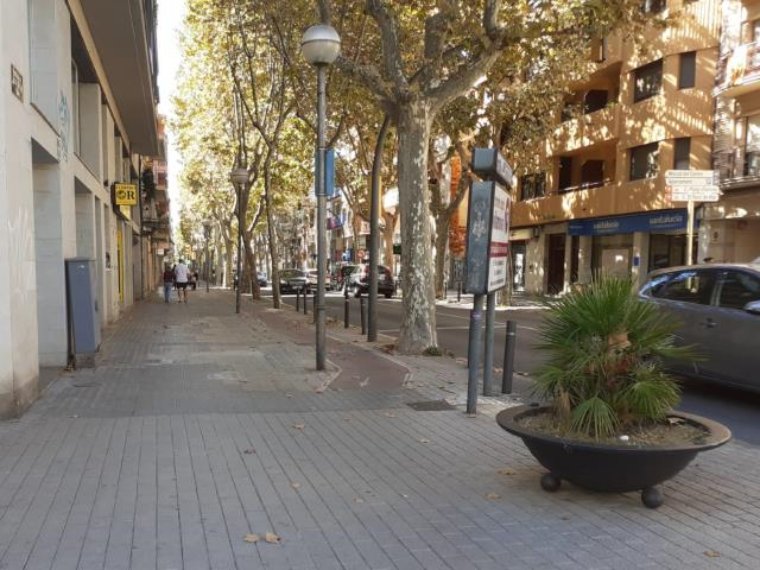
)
(320, 46)
(239, 177)
(207, 235)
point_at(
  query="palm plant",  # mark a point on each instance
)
(605, 370)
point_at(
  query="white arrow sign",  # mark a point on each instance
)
(690, 177)
(695, 193)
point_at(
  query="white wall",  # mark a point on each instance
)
(18, 305)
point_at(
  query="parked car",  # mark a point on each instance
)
(718, 310)
(357, 280)
(313, 276)
(338, 276)
(262, 279)
(292, 280)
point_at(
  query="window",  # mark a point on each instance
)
(687, 70)
(681, 152)
(690, 286)
(737, 289)
(533, 186)
(565, 172)
(595, 99)
(644, 161)
(653, 6)
(647, 81)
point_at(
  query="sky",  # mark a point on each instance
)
(171, 15)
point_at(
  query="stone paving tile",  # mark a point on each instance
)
(187, 438)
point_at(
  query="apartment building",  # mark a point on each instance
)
(730, 228)
(599, 203)
(77, 114)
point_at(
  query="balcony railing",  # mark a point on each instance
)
(585, 186)
(739, 67)
(740, 165)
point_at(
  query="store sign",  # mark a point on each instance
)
(126, 194)
(655, 222)
(487, 238)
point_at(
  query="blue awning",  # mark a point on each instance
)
(651, 222)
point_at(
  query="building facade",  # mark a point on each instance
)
(77, 114)
(730, 229)
(600, 202)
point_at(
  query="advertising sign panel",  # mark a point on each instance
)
(487, 238)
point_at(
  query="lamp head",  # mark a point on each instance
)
(320, 45)
(239, 176)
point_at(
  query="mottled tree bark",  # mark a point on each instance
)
(418, 325)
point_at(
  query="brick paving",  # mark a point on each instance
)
(199, 427)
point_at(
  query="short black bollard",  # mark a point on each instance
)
(459, 291)
(298, 300)
(314, 306)
(346, 306)
(305, 304)
(363, 311)
(509, 358)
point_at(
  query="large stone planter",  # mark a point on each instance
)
(610, 468)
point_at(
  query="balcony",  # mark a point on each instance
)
(739, 168)
(586, 131)
(739, 72)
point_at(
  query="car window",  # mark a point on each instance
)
(689, 286)
(737, 289)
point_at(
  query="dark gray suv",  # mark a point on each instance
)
(717, 307)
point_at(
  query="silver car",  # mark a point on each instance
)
(717, 307)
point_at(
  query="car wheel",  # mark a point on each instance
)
(388, 295)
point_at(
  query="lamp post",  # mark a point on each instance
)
(207, 236)
(239, 177)
(320, 46)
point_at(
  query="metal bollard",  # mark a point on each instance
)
(346, 305)
(459, 291)
(509, 358)
(298, 300)
(305, 304)
(363, 311)
(314, 306)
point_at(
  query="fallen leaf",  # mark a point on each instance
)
(272, 538)
(506, 471)
(295, 485)
(358, 500)
(321, 389)
(423, 440)
(288, 395)
(299, 426)
(252, 538)
(712, 553)
(249, 451)
(493, 496)
(390, 415)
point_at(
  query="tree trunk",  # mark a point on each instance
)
(390, 226)
(275, 275)
(251, 273)
(441, 240)
(418, 325)
(228, 248)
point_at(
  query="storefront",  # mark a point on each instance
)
(634, 244)
(518, 241)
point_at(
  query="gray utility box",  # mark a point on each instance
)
(83, 312)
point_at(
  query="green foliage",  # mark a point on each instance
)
(605, 367)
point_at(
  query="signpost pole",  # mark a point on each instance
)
(488, 358)
(690, 233)
(473, 354)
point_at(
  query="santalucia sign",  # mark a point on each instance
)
(661, 221)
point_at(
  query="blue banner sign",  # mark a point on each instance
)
(329, 171)
(652, 222)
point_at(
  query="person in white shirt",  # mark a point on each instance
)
(180, 279)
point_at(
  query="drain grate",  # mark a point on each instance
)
(431, 406)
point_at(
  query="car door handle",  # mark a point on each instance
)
(710, 324)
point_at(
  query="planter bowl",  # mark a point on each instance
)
(608, 467)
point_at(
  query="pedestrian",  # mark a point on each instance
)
(181, 273)
(168, 282)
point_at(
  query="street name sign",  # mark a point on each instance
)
(695, 194)
(488, 163)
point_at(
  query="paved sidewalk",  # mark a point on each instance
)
(200, 427)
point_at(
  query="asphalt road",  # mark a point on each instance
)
(739, 410)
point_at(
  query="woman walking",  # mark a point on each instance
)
(168, 283)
